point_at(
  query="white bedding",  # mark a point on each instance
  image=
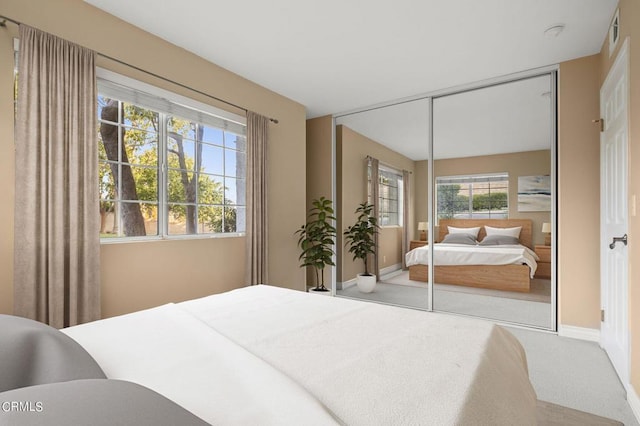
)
(463, 254)
(266, 355)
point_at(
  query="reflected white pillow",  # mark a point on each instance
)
(473, 231)
(510, 232)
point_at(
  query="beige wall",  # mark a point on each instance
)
(578, 194)
(319, 175)
(352, 149)
(159, 272)
(630, 27)
(516, 164)
(390, 255)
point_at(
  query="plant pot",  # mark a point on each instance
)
(366, 283)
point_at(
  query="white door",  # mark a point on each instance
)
(614, 260)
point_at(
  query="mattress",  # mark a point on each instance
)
(267, 355)
(462, 254)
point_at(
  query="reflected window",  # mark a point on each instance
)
(473, 196)
(390, 199)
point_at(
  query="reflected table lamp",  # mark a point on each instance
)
(546, 229)
(423, 227)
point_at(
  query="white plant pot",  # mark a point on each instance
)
(366, 283)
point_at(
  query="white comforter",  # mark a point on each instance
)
(266, 355)
(463, 254)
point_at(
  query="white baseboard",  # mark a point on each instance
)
(389, 269)
(590, 334)
(346, 284)
(634, 401)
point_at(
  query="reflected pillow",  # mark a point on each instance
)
(499, 240)
(511, 232)
(472, 231)
(461, 238)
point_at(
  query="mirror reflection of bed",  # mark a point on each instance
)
(493, 254)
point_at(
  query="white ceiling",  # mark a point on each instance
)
(509, 117)
(339, 55)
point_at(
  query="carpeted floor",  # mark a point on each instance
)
(574, 373)
(492, 304)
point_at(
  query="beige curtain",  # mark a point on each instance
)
(406, 199)
(257, 260)
(57, 219)
(374, 166)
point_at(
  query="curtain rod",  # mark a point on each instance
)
(3, 23)
(390, 166)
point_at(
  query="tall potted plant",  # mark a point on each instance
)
(361, 240)
(316, 239)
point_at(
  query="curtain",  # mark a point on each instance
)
(406, 198)
(374, 166)
(57, 218)
(256, 232)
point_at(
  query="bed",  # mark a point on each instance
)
(271, 356)
(513, 273)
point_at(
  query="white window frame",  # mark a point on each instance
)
(227, 120)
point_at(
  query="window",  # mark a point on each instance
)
(167, 169)
(390, 187)
(473, 197)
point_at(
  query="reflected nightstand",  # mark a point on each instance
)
(544, 264)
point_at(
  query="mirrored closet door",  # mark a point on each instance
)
(493, 201)
(481, 210)
(381, 160)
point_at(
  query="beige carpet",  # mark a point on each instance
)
(540, 288)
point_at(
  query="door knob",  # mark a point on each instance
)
(622, 239)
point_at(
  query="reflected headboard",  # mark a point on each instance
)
(525, 232)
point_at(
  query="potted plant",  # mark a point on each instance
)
(317, 239)
(361, 239)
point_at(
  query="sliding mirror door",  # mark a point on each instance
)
(381, 160)
(494, 202)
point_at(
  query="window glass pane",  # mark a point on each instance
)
(212, 159)
(180, 128)
(108, 109)
(234, 141)
(179, 186)
(108, 142)
(181, 153)
(230, 219)
(146, 179)
(107, 182)
(182, 219)
(210, 189)
(241, 221)
(140, 118)
(231, 191)
(213, 136)
(141, 147)
(150, 213)
(235, 163)
(210, 219)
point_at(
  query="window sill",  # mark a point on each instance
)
(125, 240)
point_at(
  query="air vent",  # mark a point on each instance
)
(614, 32)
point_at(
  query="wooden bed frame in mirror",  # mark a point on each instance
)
(496, 277)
